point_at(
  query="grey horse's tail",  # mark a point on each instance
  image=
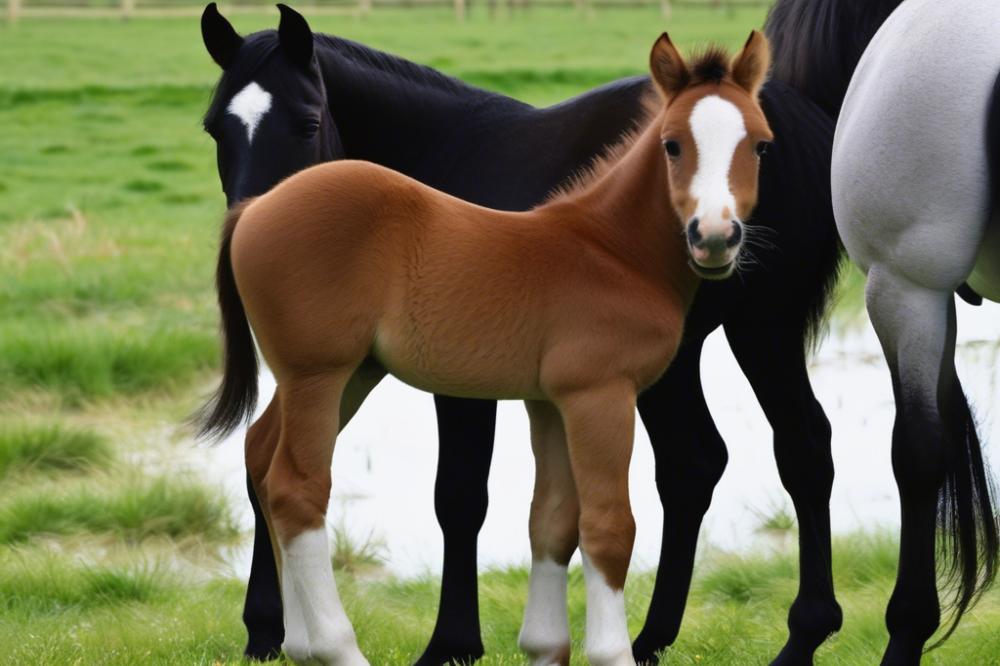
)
(236, 398)
(967, 508)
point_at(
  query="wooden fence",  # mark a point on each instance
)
(126, 9)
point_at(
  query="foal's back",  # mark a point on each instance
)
(448, 296)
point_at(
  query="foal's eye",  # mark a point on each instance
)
(672, 147)
(761, 147)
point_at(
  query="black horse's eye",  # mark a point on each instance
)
(672, 147)
(761, 147)
(308, 128)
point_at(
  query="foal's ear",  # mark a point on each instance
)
(221, 40)
(667, 67)
(749, 68)
(295, 36)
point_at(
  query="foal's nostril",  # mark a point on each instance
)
(736, 236)
(694, 236)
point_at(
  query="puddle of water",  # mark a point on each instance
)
(385, 461)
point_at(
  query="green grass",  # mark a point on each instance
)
(34, 583)
(64, 612)
(128, 509)
(51, 448)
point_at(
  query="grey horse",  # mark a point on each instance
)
(914, 178)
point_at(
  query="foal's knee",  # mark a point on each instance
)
(606, 538)
(297, 508)
(554, 528)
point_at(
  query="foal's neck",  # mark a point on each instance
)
(629, 209)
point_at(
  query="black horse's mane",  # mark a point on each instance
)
(259, 46)
(816, 44)
(380, 61)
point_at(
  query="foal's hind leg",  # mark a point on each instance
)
(600, 427)
(297, 487)
(262, 611)
(773, 358)
(554, 532)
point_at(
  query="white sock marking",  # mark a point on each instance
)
(607, 638)
(717, 127)
(316, 627)
(545, 631)
(250, 105)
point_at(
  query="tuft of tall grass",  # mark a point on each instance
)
(86, 365)
(132, 511)
(51, 448)
(34, 582)
(353, 556)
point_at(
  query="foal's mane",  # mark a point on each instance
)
(710, 65)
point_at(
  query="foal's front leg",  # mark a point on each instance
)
(297, 488)
(600, 424)
(554, 532)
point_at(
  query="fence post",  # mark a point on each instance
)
(364, 7)
(128, 8)
(459, 10)
(13, 9)
(666, 11)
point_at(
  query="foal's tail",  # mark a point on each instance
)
(236, 398)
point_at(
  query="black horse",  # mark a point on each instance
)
(325, 97)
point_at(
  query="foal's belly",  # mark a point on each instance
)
(460, 356)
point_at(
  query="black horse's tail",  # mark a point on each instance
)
(967, 503)
(236, 398)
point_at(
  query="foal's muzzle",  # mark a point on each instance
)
(714, 247)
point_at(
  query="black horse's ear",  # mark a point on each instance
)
(295, 36)
(221, 40)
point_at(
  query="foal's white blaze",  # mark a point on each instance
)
(316, 628)
(545, 631)
(250, 105)
(717, 127)
(607, 638)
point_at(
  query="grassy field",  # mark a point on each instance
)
(109, 206)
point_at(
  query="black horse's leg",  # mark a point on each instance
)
(465, 432)
(262, 612)
(774, 361)
(690, 458)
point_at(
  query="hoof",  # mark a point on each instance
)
(442, 653)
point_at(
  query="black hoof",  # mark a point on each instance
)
(262, 650)
(646, 650)
(441, 654)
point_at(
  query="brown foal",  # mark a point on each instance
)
(348, 271)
